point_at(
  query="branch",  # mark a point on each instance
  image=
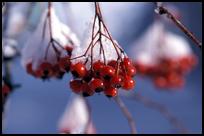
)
(164, 11)
(160, 108)
(127, 114)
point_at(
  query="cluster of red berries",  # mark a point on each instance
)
(168, 73)
(103, 78)
(47, 70)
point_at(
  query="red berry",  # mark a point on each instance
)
(78, 70)
(97, 85)
(45, 70)
(97, 67)
(29, 69)
(112, 63)
(86, 89)
(128, 83)
(107, 72)
(131, 71)
(110, 92)
(127, 62)
(57, 72)
(75, 85)
(64, 64)
(116, 81)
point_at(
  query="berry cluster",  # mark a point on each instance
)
(103, 78)
(169, 72)
(106, 67)
(54, 49)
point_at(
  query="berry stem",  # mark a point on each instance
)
(126, 113)
(174, 121)
(162, 10)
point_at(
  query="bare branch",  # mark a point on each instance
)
(174, 121)
(164, 11)
(127, 114)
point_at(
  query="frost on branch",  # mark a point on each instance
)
(76, 118)
(47, 52)
(164, 56)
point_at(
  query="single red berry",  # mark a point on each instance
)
(75, 85)
(97, 85)
(110, 92)
(45, 70)
(128, 83)
(64, 64)
(57, 72)
(127, 62)
(131, 71)
(78, 70)
(112, 63)
(97, 67)
(86, 90)
(116, 81)
(29, 68)
(107, 72)
(89, 75)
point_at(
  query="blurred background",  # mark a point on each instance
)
(37, 105)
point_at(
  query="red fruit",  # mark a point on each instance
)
(97, 67)
(29, 69)
(160, 82)
(131, 71)
(78, 70)
(64, 64)
(107, 72)
(111, 92)
(128, 83)
(97, 85)
(75, 85)
(116, 81)
(127, 62)
(45, 70)
(112, 63)
(86, 89)
(57, 72)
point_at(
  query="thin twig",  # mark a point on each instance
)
(174, 121)
(164, 11)
(127, 114)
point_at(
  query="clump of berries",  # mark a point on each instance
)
(104, 67)
(165, 57)
(169, 73)
(53, 48)
(106, 78)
